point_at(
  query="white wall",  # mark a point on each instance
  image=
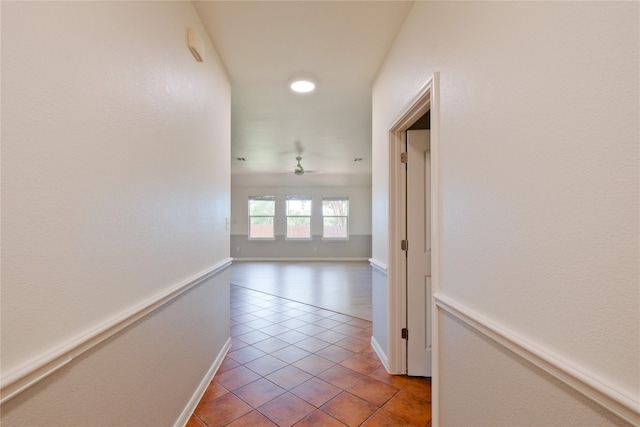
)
(539, 183)
(358, 246)
(115, 190)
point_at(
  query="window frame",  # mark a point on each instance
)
(287, 216)
(347, 219)
(273, 217)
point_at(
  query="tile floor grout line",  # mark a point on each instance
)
(363, 408)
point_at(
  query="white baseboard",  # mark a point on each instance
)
(577, 377)
(202, 388)
(381, 355)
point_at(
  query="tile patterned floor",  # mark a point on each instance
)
(295, 364)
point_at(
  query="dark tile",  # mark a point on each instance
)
(318, 418)
(259, 323)
(236, 378)
(309, 317)
(340, 376)
(419, 386)
(341, 317)
(312, 344)
(236, 344)
(292, 337)
(347, 329)
(409, 406)
(327, 323)
(330, 336)
(265, 365)
(384, 418)
(286, 409)
(270, 345)
(334, 353)
(381, 374)
(310, 329)
(244, 317)
(373, 391)
(253, 337)
(288, 377)
(259, 392)
(264, 312)
(227, 364)
(222, 411)
(239, 330)
(363, 334)
(295, 312)
(290, 354)
(354, 344)
(194, 421)
(246, 354)
(361, 364)
(369, 352)
(275, 330)
(213, 391)
(313, 364)
(252, 419)
(316, 391)
(325, 313)
(349, 409)
(293, 323)
(360, 323)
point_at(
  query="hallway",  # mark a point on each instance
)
(295, 364)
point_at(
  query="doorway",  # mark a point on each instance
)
(426, 101)
(418, 250)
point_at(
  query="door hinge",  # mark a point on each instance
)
(403, 157)
(404, 245)
(405, 334)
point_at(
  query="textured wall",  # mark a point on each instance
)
(115, 187)
(539, 180)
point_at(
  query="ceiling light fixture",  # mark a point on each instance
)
(302, 84)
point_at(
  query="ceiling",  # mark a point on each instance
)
(263, 44)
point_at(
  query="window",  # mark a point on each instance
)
(335, 218)
(262, 210)
(298, 217)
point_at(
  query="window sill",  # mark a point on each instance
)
(298, 239)
(261, 239)
(335, 239)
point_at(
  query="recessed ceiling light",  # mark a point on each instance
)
(302, 84)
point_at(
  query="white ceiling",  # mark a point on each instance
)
(262, 44)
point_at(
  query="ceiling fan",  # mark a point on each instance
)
(299, 170)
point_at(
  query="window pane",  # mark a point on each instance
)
(335, 207)
(299, 207)
(335, 227)
(261, 226)
(299, 227)
(262, 207)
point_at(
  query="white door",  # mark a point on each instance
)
(419, 253)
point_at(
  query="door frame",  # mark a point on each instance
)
(427, 98)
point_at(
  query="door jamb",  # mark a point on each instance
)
(427, 98)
